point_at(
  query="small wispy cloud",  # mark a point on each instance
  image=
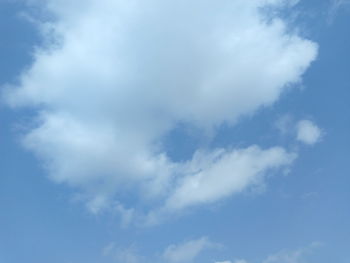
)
(335, 6)
(286, 256)
(185, 252)
(308, 132)
(189, 251)
(122, 255)
(304, 130)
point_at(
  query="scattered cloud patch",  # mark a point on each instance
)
(188, 251)
(125, 255)
(335, 5)
(297, 256)
(305, 130)
(285, 256)
(185, 252)
(308, 132)
(284, 124)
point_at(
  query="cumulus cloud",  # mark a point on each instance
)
(115, 77)
(308, 132)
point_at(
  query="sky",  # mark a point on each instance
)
(174, 131)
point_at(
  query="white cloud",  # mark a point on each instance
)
(116, 76)
(308, 132)
(305, 131)
(221, 173)
(188, 251)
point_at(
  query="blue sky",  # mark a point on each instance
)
(174, 132)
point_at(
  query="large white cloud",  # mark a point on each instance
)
(115, 76)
